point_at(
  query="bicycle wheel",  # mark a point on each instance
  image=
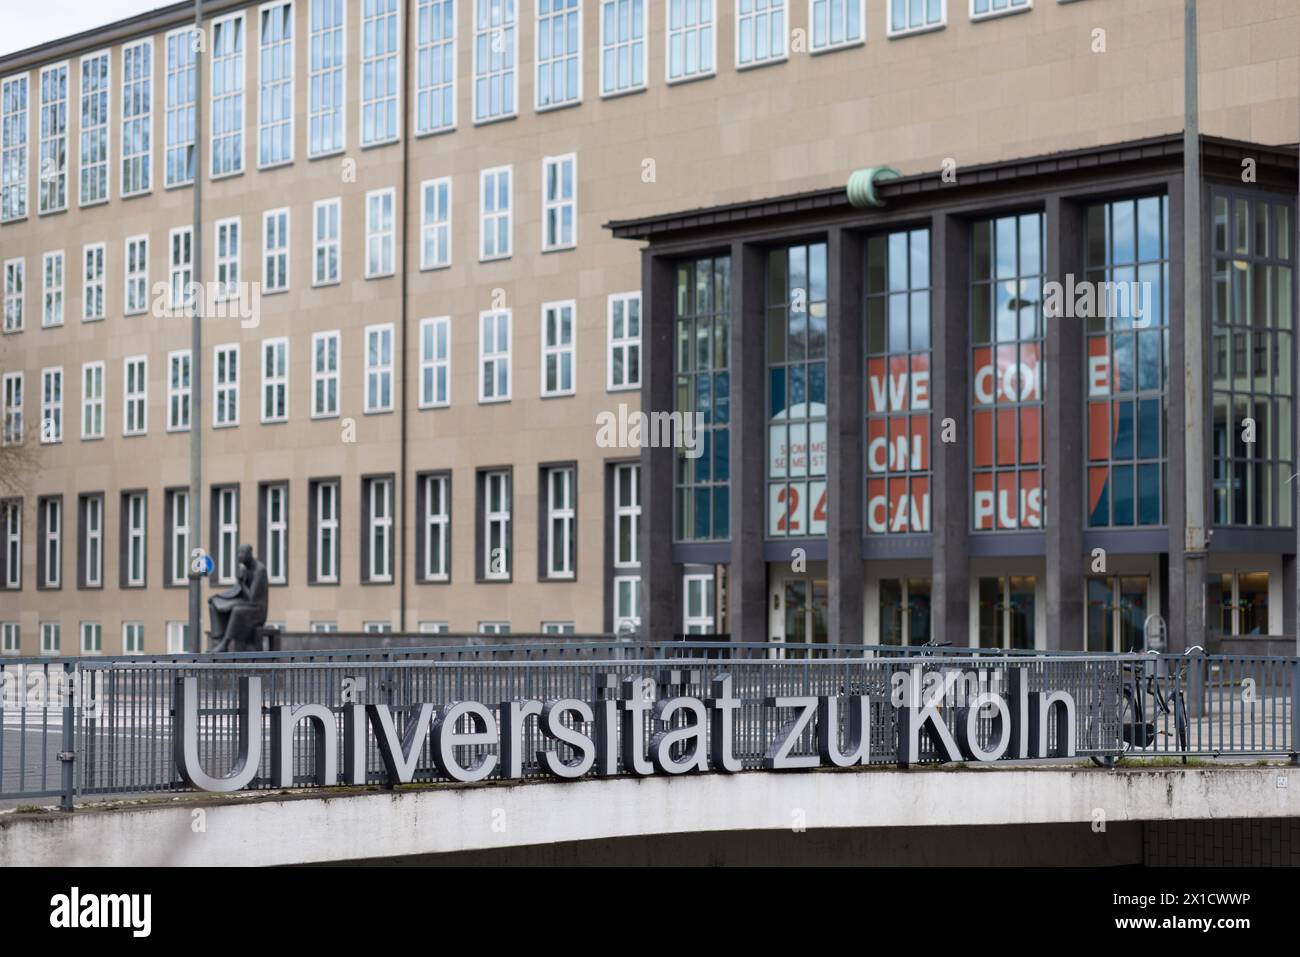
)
(1128, 728)
(1180, 722)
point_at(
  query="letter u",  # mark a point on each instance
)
(186, 736)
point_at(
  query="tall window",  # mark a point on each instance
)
(13, 409)
(92, 638)
(51, 557)
(178, 637)
(12, 638)
(52, 289)
(558, 52)
(435, 92)
(1253, 345)
(92, 282)
(435, 362)
(325, 374)
(495, 54)
(95, 84)
(898, 383)
(1127, 372)
(326, 216)
(227, 259)
(1007, 372)
(134, 517)
(137, 275)
(379, 368)
(494, 213)
(916, 16)
(981, 9)
(275, 250)
(13, 148)
(435, 223)
(52, 405)
(697, 617)
(559, 202)
(51, 637)
(622, 46)
(691, 41)
(627, 547)
(181, 266)
(326, 77)
(379, 233)
(92, 541)
(495, 489)
(836, 23)
(15, 294)
(561, 518)
(557, 348)
(275, 85)
(132, 637)
(624, 341)
(703, 398)
(275, 380)
(226, 516)
(227, 126)
(325, 503)
(437, 527)
(275, 510)
(53, 171)
(135, 395)
(380, 71)
(760, 31)
(137, 118)
(178, 391)
(12, 513)
(182, 89)
(92, 400)
(225, 385)
(796, 368)
(178, 536)
(494, 356)
(379, 540)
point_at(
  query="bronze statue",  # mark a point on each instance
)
(241, 609)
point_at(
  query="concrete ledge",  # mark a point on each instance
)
(310, 827)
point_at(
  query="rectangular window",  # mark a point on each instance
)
(178, 391)
(12, 513)
(836, 23)
(377, 627)
(624, 341)
(135, 395)
(494, 627)
(437, 527)
(325, 374)
(15, 293)
(495, 192)
(178, 637)
(51, 638)
(559, 202)
(326, 76)
(133, 638)
(181, 267)
(627, 604)
(225, 514)
(13, 408)
(691, 40)
(327, 223)
(434, 628)
(496, 542)
(379, 368)
(275, 544)
(702, 399)
(325, 503)
(92, 638)
(13, 148)
(380, 71)
(51, 558)
(137, 118)
(95, 86)
(275, 380)
(53, 167)
(178, 536)
(984, 9)
(435, 66)
(182, 89)
(51, 405)
(324, 627)
(226, 127)
(557, 628)
(916, 16)
(227, 259)
(558, 53)
(622, 46)
(92, 400)
(11, 643)
(225, 386)
(275, 85)
(698, 612)
(379, 233)
(92, 541)
(92, 282)
(435, 362)
(1127, 367)
(137, 275)
(627, 516)
(275, 251)
(760, 32)
(379, 540)
(557, 348)
(904, 611)
(496, 49)
(898, 350)
(1007, 373)
(435, 223)
(494, 356)
(561, 511)
(133, 522)
(52, 289)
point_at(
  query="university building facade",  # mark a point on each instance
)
(422, 300)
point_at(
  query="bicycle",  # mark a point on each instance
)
(1136, 732)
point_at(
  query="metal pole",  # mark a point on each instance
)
(196, 340)
(67, 756)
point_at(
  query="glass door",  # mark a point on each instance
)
(805, 610)
(1007, 612)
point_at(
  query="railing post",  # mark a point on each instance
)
(1295, 711)
(68, 753)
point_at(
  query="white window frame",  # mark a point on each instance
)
(52, 542)
(326, 76)
(701, 624)
(184, 38)
(11, 642)
(553, 206)
(377, 627)
(48, 192)
(495, 356)
(178, 521)
(227, 516)
(177, 637)
(275, 379)
(276, 545)
(556, 351)
(630, 44)
(180, 273)
(51, 638)
(501, 519)
(13, 384)
(52, 405)
(755, 15)
(327, 208)
(433, 628)
(235, 97)
(276, 259)
(564, 480)
(137, 94)
(374, 61)
(540, 24)
(379, 504)
(443, 50)
(227, 236)
(132, 637)
(327, 531)
(379, 369)
(629, 512)
(1013, 6)
(94, 516)
(179, 390)
(135, 402)
(53, 282)
(13, 521)
(326, 375)
(435, 223)
(15, 294)
(137, 280)
(435, 362)
(94, 259)
(557, 627)
(494, 627)
(104, 126)
(92, 638)
(136, 538)
(225, 385)
(92, 403)
(441, 522)
(492, 73)
(625, 343)
(379, 237)
(669, 32)
(922, 28)
(846, 43)
(274, 85)
(14, 196)
(492, 218)
(324, 627)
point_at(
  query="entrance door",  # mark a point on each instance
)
(805, 610)
(1117, 612)
(1006, 612)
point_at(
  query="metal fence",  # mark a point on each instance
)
(99, 726)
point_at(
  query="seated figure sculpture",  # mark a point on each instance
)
(240, 610)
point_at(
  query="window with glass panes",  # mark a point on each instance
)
(380, 58)
(1127, 373)
(435, 66)
(836, 23)
(227, 122)
(495, 53)
(622, 45)
(760, 31)
(702, 477)
(796, 391)
(1007, 372)
(1252, 349)
(898, 417)
(137, 118)
(913, 16)
(275, 85)
(559, 52)
(53, 178)
(13, 148)
(182, 80)
(94, 128)
(325, 77)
